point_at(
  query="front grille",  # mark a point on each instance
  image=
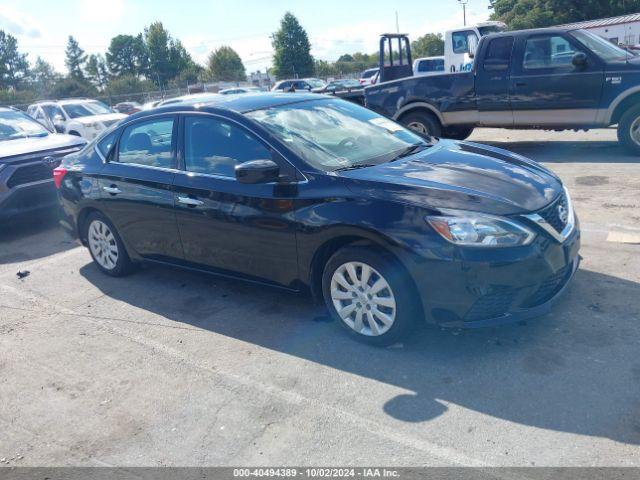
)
(30, 173)
(548, 288)
(551, 213)
(494, 304)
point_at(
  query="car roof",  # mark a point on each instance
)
(247, 102)
(65, 101)
(531, 31)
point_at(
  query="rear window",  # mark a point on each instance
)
(498, 54)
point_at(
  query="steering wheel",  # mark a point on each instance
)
(348, 142)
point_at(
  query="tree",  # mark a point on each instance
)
(43, 77)
(127, 55)
(520, 14)
(96, 70)
(75, 60)
(157, 40)
(225, 65)
(429, 45)
(73, 87)
(14, 67)
(292, 57)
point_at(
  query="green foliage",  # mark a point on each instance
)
(225, 65)
(429, 45)
(96, 70)
(43, 77)
(128, 85)
(21, 98)
(167, 57)
(292, 57)
(521, 14)
(73, 87)
(127, 55)
(75, 59)
(14, 67)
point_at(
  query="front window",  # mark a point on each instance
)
(315, 82)
(15, 125)
(86, 109)
(463, 42)
(548, 51)
(369, 73)
(334, 134)
(598, 45)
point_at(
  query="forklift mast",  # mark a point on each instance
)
(396, 68)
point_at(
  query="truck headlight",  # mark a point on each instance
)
(480, 230)
(93, 125)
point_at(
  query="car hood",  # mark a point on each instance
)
(105, 117)
(51, 143)
(461, 175)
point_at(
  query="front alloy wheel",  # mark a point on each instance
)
(370, 294)
(363, 298)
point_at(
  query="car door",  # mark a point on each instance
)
(493, 79)
(230, 227)
(136, 187)
(547, 89)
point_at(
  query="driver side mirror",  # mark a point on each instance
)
(58, 123)
(579, 60)
(257, 171)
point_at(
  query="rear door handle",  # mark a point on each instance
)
(113, 190)
(192, 202)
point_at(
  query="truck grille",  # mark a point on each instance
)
(30, 173)
(551, 213)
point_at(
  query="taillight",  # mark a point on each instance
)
(58, 175)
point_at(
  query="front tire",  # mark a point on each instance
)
(629, 130)
(423, 123)
(367, 293)
(106, 247)
(458, 132)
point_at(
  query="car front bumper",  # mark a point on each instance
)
(488, 287)
(25, 199)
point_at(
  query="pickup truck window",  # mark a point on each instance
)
(601, 47)
(498, 56)
(547, 51)
(461, 41)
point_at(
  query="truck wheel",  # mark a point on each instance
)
(629, 130)
(424, 123)
(457, 133)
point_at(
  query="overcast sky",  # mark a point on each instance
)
(334, 27)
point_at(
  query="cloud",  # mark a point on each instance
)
(90, 11)
(18, 24)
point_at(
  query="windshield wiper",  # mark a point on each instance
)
(409, 150)
(355, 167)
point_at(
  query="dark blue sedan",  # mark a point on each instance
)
(316, 194)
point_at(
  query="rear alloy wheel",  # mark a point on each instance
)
(426, 124)
(629, 130)
(105, 246)
(368, 294)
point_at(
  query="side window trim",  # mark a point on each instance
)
(115, 149)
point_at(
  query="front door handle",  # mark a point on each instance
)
(521, 84)
(192, 202)
(113, 190)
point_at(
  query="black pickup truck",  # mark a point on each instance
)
(552, 78)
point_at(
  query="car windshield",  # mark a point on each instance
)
(86, 109)
(334, 134)
(15, 125)
(489, 29)
(315, 83)
(600, 46)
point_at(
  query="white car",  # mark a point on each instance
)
(82, 117)
(239, 90)
(368, 76)
(194, 97)
(428, 66)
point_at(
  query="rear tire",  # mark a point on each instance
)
(105, 246)
(458, 132)
(423, 123)
(629, 130)
(379, 306)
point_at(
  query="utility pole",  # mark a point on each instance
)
(397, 23)
(464, 11)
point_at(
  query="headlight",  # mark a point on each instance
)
(479, 230)
(93, 125)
